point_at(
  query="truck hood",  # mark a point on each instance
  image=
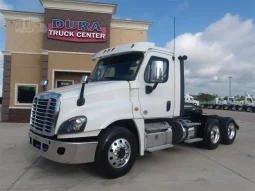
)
(91, 88)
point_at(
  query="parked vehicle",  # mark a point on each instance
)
(217, 103)
(248, 104)
(131, 104)
(230, 103)
(190, 99)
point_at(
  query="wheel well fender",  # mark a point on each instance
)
(228, 118)
(128, 124)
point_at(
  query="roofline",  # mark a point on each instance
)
(39, 17)
(22, 15)
(97, 7)
(130, 24)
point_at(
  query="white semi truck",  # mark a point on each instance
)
(131, 104)
(248, 104)
(230, 103)
(190, 99)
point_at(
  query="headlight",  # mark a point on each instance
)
(73, 125)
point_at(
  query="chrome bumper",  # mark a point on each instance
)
(63, 152)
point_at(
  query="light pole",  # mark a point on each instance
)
(230, 77)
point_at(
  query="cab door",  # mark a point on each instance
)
(156, 92)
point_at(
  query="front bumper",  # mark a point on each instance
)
(63, 152)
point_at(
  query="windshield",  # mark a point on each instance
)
(249, 100)
(122, 67)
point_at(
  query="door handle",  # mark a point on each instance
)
(168, 106)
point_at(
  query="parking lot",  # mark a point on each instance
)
(183, 167)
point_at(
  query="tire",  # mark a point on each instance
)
(104, 152)
(225, 107)
(228, 130)
(211, 126)
(240, 108)
(249, 109)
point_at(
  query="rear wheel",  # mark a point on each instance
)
(228, 131)
(212, 135)
(116, 152)
(225, 107)
(249, 109)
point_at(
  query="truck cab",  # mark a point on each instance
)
(248, 105)
(231, 103)
(130, 105)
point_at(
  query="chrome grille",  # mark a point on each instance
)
(44, 113)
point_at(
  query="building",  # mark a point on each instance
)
(57, 45)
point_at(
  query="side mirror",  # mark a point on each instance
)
(84, 79)
(44, 84)
(156, 73)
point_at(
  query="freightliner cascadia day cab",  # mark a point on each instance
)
(131, 104)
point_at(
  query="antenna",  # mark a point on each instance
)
(174, 36)
(174, 41)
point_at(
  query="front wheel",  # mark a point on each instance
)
(116, 152)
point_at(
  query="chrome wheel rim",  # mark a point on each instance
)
(119, 153)
(231, 131)
(215, 134)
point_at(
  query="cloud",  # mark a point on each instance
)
(122, 18)
(225, 48)
(30, 5)
(184, 5)
(163, 20)
(6, 6)
(147, 16)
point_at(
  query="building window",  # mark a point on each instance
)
(25, 93)
(63, 83)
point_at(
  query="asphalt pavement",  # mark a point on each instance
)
(183, 167)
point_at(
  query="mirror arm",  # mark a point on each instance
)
(81, 100)
(150, 89)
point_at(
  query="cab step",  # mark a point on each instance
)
(157, 148)
(191, 124)
(193, 140)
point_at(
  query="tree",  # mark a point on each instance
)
(202, 97)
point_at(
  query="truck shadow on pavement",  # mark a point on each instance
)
(46, 169)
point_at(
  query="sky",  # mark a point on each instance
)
(217, 36)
